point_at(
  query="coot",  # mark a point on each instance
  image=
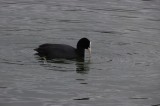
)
(51, 51)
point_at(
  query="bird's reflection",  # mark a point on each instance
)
(82, 65)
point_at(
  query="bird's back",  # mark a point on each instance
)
(56, 51)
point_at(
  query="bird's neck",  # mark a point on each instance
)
(80, 52)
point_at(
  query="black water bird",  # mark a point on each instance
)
(51, 51)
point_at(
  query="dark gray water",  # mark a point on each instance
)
(124, 69)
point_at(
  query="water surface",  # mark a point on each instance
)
(125, 63)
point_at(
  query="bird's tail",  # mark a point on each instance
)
(36, 49)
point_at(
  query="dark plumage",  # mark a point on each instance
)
(51, 51)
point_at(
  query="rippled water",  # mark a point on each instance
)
(124, 69)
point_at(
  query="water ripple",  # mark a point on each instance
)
(24, 29)
(71, 21)
(87, 98)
